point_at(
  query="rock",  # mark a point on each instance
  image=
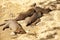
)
(56, 15)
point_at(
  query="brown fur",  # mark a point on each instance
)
(22, 16)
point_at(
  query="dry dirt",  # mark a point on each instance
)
(47, 29)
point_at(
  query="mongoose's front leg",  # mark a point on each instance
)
(5, 26)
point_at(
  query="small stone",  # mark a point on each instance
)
(12, 33)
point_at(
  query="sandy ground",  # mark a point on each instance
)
(10, 9)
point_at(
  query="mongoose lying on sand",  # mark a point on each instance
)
(14, 26)
(34, 13)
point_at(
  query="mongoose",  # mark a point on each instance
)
(14, 26)
(38, 12)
